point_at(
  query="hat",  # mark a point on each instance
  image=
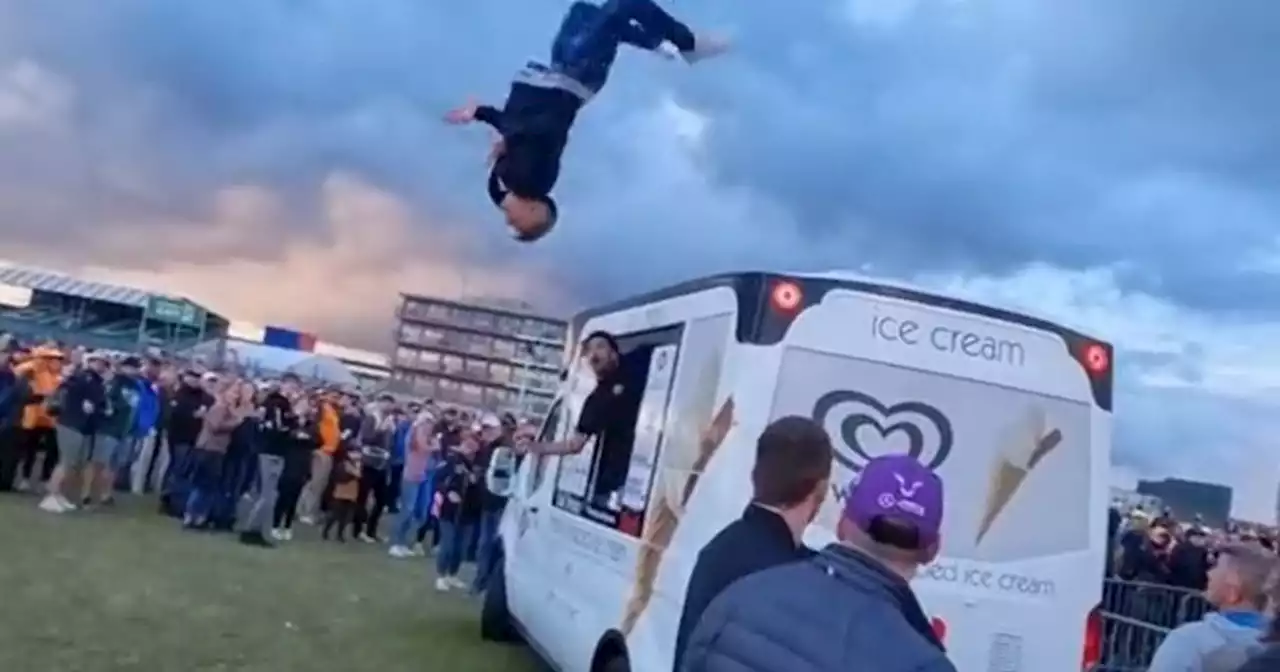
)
(490, 421)
(899, 488)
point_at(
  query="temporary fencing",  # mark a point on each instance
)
(1137, 616)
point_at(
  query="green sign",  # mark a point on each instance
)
(175, 311)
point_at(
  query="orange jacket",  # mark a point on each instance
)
(44, 376)
(327, 428)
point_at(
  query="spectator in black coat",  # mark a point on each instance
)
(1189, 561)
(79, 407)
(13, 392)
(789, 481)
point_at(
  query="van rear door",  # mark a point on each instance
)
(1022, 462)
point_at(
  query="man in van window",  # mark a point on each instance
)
(850, 607)
(789, 483)
(608, 415)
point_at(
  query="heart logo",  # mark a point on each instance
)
(866, 428)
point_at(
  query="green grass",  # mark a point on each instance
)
(127, 590)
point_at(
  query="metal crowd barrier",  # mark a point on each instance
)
(1136, 616)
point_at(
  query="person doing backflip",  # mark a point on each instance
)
(544, 100)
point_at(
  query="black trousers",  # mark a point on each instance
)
(33, 443)
(339, 516)
(371, 501)
(394, 476)
(8, 457)
(290, 492)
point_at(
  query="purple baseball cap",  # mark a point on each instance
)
(897, 487)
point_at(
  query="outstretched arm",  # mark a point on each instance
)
(473, 111)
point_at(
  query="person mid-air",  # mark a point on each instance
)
(544, 100)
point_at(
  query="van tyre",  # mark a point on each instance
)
(495, 616)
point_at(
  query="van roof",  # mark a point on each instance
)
(752, 280)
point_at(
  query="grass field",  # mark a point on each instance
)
(126, 590)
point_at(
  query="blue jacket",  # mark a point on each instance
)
(146, 416)
(1219, 641)
(12, 390)
(840, 610)
(400, 441)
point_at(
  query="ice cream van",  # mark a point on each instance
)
(1013, 411)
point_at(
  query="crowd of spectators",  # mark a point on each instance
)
(229, 451)
(225, 450)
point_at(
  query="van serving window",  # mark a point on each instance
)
(598, 482)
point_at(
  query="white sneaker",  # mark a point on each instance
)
(418, 551)
(307, 520)
(368, 539)
(705, 47)
(276, 534)
(50, 504)
(286, 535)
(443, 585)
(456, 582)
(400, 552)
(66, 503)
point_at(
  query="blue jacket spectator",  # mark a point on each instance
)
(12, 392)
(146, 415)
(400, 440)
(850, 606)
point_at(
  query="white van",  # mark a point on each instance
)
(1013, 411)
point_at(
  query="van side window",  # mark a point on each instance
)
(609, 481)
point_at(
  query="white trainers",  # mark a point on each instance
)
(66, 503)
(705, 47)
(443, 585)
(50, 504)
(418, 551)
(368, 539)
(286, 535)
(456, 582)
(400, 552)
(277, 534)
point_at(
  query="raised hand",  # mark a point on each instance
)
(463, 114)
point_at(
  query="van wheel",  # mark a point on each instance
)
(495, 617)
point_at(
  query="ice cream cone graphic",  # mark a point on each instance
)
(665, 518)
(1024, 446)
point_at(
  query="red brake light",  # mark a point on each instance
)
(1096, 359)
(1092, 654)
(786, 296)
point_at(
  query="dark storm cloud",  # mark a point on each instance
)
(973, 134)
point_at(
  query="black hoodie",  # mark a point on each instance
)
(185, 419)
(534, 124)
(280, 425)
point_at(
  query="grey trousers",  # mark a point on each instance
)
(267, 489)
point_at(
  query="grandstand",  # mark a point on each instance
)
(37, 304)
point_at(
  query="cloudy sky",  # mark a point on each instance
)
(1111, 164)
